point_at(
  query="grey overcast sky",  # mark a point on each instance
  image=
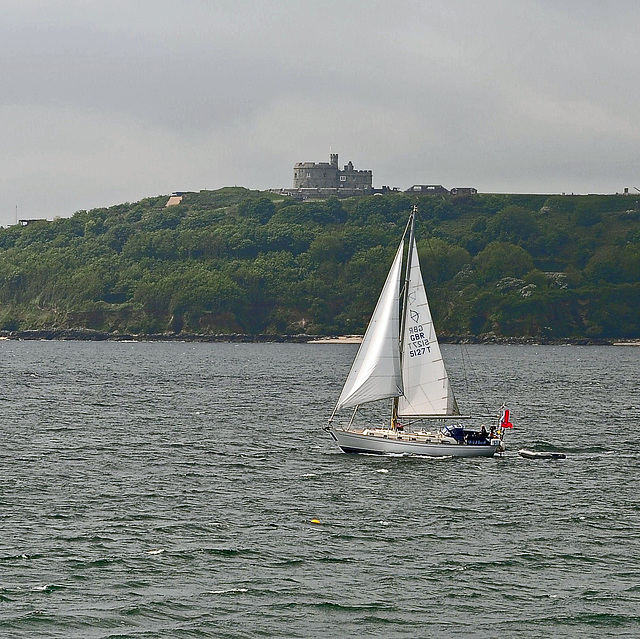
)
(109, 101)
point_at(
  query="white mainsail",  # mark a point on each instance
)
(375, 372)
(427, 391)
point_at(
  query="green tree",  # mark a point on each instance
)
(501, 259)
(513, 224)
(440, 260)
(260, 209)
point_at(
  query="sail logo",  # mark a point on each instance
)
(415, 316)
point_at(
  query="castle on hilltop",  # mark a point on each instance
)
(320, 180)
(326, 178)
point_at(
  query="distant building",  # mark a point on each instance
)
(326, 178)
(463, 190)
(32, 221)
(383, 190)
(428, 189)
(174, 200)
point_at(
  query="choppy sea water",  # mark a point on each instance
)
(168, 490)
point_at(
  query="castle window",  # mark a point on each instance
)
(343, 178)
(308, 175)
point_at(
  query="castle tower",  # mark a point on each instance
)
(312, 175)
(327, 176)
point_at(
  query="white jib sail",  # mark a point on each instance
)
(427, 391)
(375, 372)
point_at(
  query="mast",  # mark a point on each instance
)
(407, 275)
(403, 307)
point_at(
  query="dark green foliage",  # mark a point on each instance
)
(377, 209)
(236, 260)
(260, 209)
(612, 311)
(167, 218)
(614, 265)
(228, 196)
(280, 236)
(312, 213)
(190, 297)
(513, 224)
(501, 259)
(441, 261)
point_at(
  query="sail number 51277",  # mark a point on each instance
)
(418, 344)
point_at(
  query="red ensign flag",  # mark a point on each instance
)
(504, 422)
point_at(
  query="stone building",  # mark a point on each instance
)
(428, 189)
(438, 189)
(326, 178)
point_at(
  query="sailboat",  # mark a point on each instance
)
(399, 359)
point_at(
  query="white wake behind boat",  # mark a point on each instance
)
(400, 359)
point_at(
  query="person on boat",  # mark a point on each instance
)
(483, 432)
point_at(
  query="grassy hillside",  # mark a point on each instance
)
(235, 260)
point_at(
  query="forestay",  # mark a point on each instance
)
(427, 391)
(375, 372)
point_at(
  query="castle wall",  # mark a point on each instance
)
(311, 175)
(351, 179)
(323, 175)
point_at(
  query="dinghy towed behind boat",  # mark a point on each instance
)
(400, 359)
(540, 454)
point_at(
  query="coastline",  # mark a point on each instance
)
(100, 336)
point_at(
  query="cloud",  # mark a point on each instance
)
(106, 102)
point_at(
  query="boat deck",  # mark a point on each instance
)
(424, 437)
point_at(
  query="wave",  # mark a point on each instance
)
(228, 552)
(48, 588)
(337, 560)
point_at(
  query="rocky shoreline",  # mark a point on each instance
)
(99, 336)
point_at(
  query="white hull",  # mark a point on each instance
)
(402, 444)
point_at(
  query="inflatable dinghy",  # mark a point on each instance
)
(536, 454)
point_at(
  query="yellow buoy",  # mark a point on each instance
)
(315, 521)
